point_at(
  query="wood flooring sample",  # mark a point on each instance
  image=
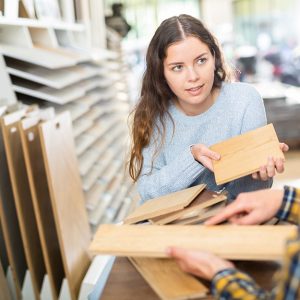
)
(261, 242)
(168, 280)
(67, 197)
(165, 204)
(245, 154)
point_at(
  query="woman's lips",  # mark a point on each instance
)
(195, 91)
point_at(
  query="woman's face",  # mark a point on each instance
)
(189, 71)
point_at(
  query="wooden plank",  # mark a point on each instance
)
(10, 224)
(123, 277)
(24, 204)
(36, 172)
(200, 216)
(168, 280)
(3, 251)
(258, 243)
(4, 294)
(67, 198)
(245, 154)
(204, 199)
(165, 204)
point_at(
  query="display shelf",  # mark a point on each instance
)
(42, 24)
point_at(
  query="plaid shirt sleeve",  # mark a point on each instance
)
(232, 284)
(290, 208)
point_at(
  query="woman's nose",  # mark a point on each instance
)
(193, 75)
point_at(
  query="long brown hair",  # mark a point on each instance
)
(152, 108)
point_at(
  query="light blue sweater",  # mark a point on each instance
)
(238, 109)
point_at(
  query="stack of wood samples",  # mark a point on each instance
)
(43, 217)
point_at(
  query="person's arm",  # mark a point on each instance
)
(288, 279)
(226, 281)
(233, 284)
(290, 206)
(158, 178)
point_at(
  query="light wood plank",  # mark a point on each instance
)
(10, 224)
(200, 216)
(231, 242)
(36, 172)
(245, 154)
(24, 204)
(4, 290)
(165, 204)
(67, 197)
(168, 280)
(204, 199)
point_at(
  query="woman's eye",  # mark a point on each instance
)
(177, 68)
(201, 61)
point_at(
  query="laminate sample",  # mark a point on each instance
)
(24, 203)
(168, 280)
(67, 197)
(5, 293)
(245, 154)
(264, 242)
(165, 204)
(10, 224)
(205, 199)
(36, 172)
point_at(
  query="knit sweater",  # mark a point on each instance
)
(238, 109)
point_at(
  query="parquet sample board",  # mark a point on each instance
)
(4, 290)
(67, 197)
(168, 280)
(205, 199)
(3, 252)
(200, 216)
(36, 172)
(230, 242)
(165, 204)
(245, 154)
(24, 204)
(10, 224)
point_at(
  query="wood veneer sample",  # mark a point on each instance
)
(205, 199)
(36, 172)
(245, 154)
(257, 242)
(168, 280)
(10, 224)
(24, 203)
(67, 197)
(164, 204)
(4, 294)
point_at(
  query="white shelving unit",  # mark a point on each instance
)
(61, 65)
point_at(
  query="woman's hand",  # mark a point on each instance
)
(250, 208)
(204, 155)
(273, 165)
(202, 264)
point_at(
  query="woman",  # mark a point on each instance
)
(188, 104)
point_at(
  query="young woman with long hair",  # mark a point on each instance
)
(187, 104)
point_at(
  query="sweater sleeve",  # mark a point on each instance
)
(159, 178)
